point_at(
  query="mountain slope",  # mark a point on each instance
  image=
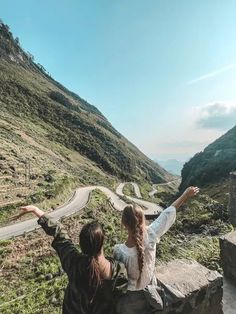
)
(54, 128)
(214, 164)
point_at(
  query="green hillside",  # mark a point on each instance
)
(211, 168)
(57, 134)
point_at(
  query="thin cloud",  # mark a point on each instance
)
(212, 74)
(218, 115)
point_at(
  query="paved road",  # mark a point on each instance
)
(154, 190)
(136, 189)
(151, 209)
(76, 203)
(119, 189)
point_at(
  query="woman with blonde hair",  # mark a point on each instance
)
(138, 254)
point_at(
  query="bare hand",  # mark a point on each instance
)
(25, 210)
(28, 209)
(191, 191)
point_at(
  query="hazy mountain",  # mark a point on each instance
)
(172, 165)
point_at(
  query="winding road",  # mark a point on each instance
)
(154, 190)
(79, 201)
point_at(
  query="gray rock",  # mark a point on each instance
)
(49, 276)
(191, 287)
(228, 255)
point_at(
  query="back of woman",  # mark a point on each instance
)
(138, 254)
(81, 298)
(129, 256)
(94, 281)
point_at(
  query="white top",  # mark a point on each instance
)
(129, 257)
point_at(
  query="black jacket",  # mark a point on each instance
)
(76, 299)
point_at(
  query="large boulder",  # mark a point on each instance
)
(192, 288)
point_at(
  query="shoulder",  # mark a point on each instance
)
(117, 247)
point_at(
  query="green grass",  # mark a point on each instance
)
(129, 190)
(195, 234)
(48, 195)
(145, 188)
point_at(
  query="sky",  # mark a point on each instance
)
(162, 71)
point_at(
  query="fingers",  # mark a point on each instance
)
(195, 190)
(17, 216)
(27, 208)
(24, 207)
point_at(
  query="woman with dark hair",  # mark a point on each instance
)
(95, 282)
(138, 254)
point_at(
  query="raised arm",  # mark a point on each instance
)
(188, 193)
(166, 219)
(63, 245)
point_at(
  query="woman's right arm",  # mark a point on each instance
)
(63, 245)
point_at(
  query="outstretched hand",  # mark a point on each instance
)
(188, 193)
(28, 209)
(191, 191)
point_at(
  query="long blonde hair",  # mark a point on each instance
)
(133, 219)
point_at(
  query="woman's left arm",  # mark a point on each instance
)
(166, 219)
(62, 243)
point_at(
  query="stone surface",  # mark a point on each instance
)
(232, 198)
(229, 297)
(228, 255)
(193, 288)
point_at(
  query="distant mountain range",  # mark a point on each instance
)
(42, 120)
(172, 165)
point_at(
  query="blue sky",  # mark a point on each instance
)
(162, 71)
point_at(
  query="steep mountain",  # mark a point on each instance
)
(212, 166)
(46, 127)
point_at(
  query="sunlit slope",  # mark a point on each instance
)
(38, 111)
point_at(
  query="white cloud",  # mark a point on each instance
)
(217, 115)
(212, 74)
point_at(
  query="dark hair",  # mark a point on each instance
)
(133, 218)
(91, 243)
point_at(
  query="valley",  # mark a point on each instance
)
(61, 153)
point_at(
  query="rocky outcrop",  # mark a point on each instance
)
(191, 287)
(228, 255)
